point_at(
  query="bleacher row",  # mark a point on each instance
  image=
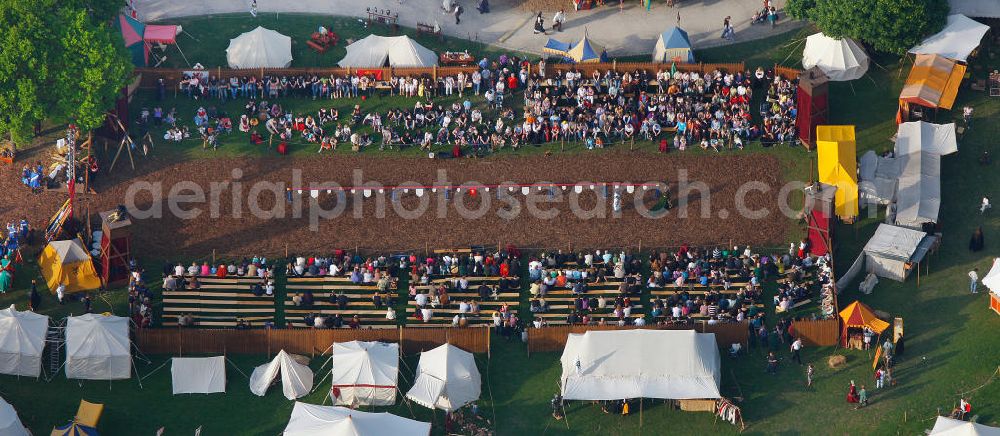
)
(359, 303)
(218, 303)
(445, 314)
(561, 302)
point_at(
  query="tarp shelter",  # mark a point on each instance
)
(68, 263)
(858, 315)
(447, 379)
(933, 82)
(260, 48)
(892, 252)
(582, 51)
(296, 378)
(673, 45)
(919, 147)
(840, 59)
(375, 51)
(10, 424)
(959, 38)
(315, 420)
(22, 340)
(877, 178)
(364, 373)
(198, 375)
(945, 426)
(132, 31)
(612, 365)
(837, 161)
(98, 347)
(976, 8)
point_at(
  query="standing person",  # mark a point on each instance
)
(484, 7)
(879, 378)
(558, 19)
(862, 397)
(61, 293)
(973, 280)
(967, 116)
(976, 243)
(88, 304)
(253, 8)
(727, 28)
(34, 299)
(458, 14)
(852, 393)
(772, 16)
(984, 205)
(539, 24)
(796, 348)
(772, 363)
(810, 371)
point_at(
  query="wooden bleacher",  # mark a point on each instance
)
(218, 303)
(359, 297)
(561, 303)
(444, 315)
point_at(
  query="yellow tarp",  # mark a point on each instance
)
(933, 82)
(837, 160)
(68, 263)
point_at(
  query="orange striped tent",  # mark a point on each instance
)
(933, 82)
(858, 315)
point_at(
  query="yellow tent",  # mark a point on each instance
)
(838, 166)
(933, 82)
(68, 263)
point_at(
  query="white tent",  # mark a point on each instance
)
(890, 253)
(260, 48)
(945, 426)
(840, 59)
(22, 339)
(976, 8)
(613, 365)
(98, 347)
(919, 147)
(296, 378)
(198, 375)
(314, 420)
(364, 373)
(375, 51)
(447, 379)
(992, 279)
(877, 177)
(960, 37)
(10, 424)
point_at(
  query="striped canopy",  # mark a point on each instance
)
(933, 82)
(580, 52)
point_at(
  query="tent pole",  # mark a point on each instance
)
(186, 61)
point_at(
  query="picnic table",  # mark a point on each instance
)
(456, 58)
(322, 41)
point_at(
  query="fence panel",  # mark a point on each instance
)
(471, 339)
(786, 72)
(728, 333)
(823, 333)
(292, 341)
(420, 339)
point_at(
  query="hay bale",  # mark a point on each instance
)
(837, 361)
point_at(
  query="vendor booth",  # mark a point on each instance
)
(22, 340)
(315, 420)
(855, 319)
(933, 83)
(673, 45)
(364, 373)
(582, 51)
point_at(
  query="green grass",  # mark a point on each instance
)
(952, 344)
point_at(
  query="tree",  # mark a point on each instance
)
(58, 61)
(892, 26)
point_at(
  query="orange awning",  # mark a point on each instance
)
(858, 315)
(933, 82)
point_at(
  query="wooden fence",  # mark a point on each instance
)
(150, 76)
(787, 73)
(302, 341)
(822, 333)
(553, 338)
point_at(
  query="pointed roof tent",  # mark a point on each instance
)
(296, 378)
(22, 340)
(945, 426)
(859, 315)
(837, 161)
(98, 347)
(315, 420)
(10, 424)
(447, 379)
(364, 373)
(959, 38)
(68, 263)
(673, 45)
(933, 82)
(580, 52)
(260, 48)
(132, 31)
(840, 59)
(161, 33)
(375, 51)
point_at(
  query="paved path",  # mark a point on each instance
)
(629, 32)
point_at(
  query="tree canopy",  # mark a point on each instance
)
(892, 26)
(59, 60)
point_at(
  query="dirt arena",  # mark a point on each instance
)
(443, 224)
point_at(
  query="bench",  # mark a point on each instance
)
(316, 47)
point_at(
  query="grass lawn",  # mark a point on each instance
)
(952, 345)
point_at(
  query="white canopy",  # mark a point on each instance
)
(314, 420)
(619, 364)
(960, 37)
(919, 147)
(364, 373)
(374, 51)
(992, 279)
(10, 424)
(22, 339)
(840, 59)
(296, 379)
(260, 48)
(98, 347)
(447, 379)
(198, 375)
(945, 426)
(877, 178)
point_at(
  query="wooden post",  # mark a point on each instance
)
(488, 351)
(213, 256)
(286, 250)
(400, 329)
